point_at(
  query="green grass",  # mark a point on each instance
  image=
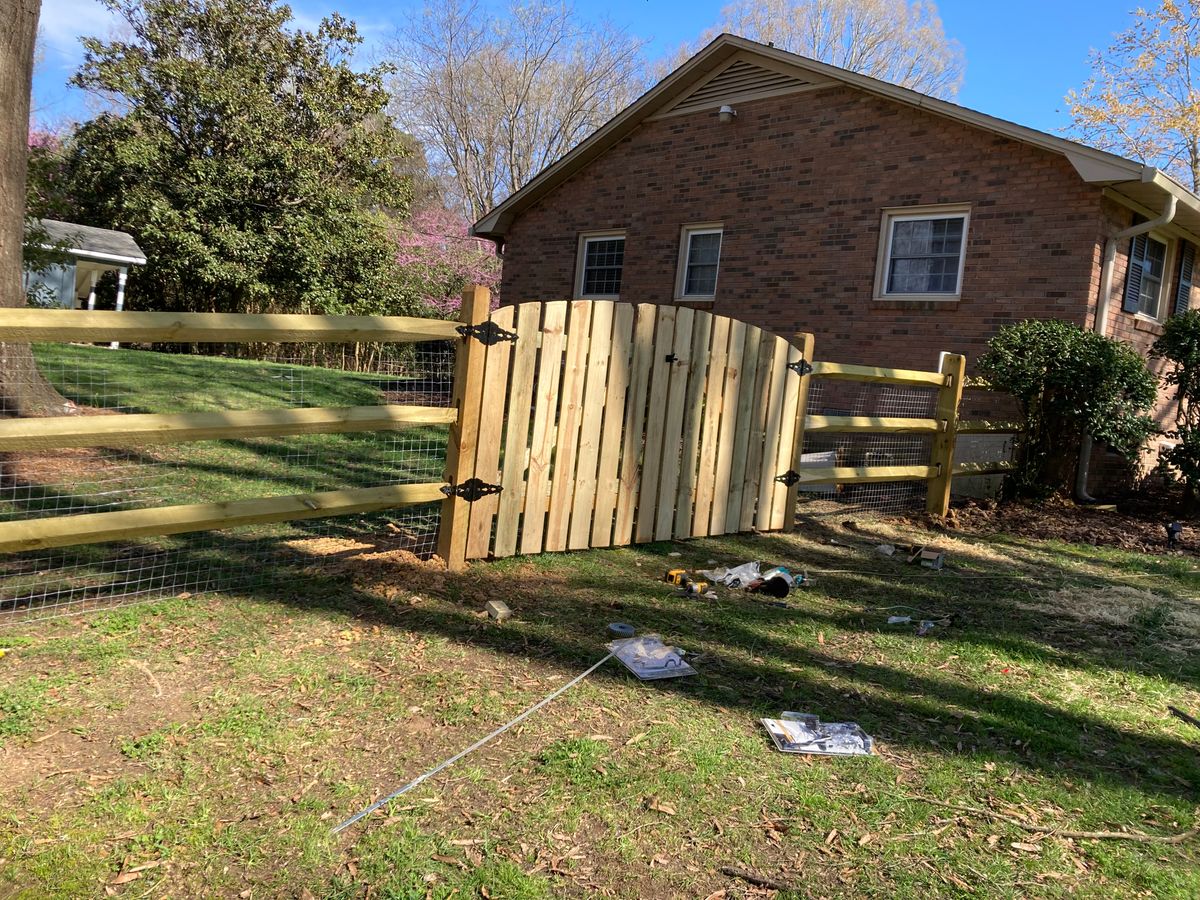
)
(284, 711)
(136, 381)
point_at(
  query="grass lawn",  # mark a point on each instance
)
(136, 381)
(206, 746)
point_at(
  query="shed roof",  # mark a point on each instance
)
(1128, 180)
(95, 243)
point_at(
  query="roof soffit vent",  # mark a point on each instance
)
(740, 80)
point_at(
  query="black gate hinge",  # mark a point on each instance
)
(471, 490)
(487, 333)
(790, 477)
(801, 367)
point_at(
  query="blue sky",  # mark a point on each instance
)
(1022, 56)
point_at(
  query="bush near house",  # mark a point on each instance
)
(1180, 343)
(1069, 383)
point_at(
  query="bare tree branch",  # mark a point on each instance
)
(893, 40)
(499, 98)
(1140, 100)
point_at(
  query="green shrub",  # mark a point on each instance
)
(1069, 383)
(1180, 344)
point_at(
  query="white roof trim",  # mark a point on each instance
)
(99, 257)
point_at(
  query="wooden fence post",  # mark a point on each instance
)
(460, 451)
(954, 366)
(804, 342)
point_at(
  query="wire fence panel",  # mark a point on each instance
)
(823, 449)
(78, 480)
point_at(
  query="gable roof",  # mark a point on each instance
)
(102, 244)
(733, 67)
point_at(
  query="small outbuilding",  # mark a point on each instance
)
(90, 252)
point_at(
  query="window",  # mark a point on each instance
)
(699, 259)
(1144, 280)
(601, 259)
(922, 253)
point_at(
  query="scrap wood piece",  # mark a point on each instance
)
(1180, 714)
(1050, 831)
(756, 879)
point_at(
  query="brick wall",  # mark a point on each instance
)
(799, 183)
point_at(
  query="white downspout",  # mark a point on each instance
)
(1100, 325)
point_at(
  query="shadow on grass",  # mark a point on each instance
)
(758, 659)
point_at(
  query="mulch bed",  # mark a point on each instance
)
(1062, 520)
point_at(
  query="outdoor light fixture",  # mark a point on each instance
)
(726, 114)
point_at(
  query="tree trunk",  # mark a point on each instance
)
(23, 390)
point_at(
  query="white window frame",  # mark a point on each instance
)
(1170, 264)
(581, 258)
(685, 250)
(894, 214)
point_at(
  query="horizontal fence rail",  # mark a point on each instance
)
(94, 528)
(872, 424)
(132, 430)
(840, 372)
(866, 474)
(997, 467)
(986, 426)
(107, 325)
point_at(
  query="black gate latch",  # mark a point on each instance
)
(801, 367)
(487, 333)
(471, 490)
(790, 477)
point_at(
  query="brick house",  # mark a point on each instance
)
(802, 197)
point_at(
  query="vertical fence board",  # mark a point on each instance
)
(804, 344)
(595, 392)
(460, 451)
(713, 397)
(693, 421)
(726, 433)
(541, 444)
(681, 370)
(491, 422)
(772, 434)
(949, 398)
(741, 436)
(516, 430)
(570, 418)
(619, 368)
(629, 478)
(757, 427)
(787, 436)
(660, 376)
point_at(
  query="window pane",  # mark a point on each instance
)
(704, 253)
(1152, 277)
(603, 260)
(706, 249)
(925, 256)
(701, 280)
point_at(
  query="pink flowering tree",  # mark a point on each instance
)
(438, 257)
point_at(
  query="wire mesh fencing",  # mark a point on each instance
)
(866, 449)
(881, 449)
(73, 481)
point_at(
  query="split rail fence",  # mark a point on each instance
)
(573, 425)
(137, 430)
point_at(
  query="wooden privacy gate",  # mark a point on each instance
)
(600, 423)
(608, 424)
